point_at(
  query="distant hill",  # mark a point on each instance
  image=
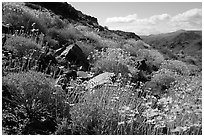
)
(175, 43)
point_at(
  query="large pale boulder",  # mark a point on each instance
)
(101, 79)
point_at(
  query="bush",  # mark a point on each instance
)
(186, 106)
(133, 46)
(100, 42)
(193, 69)
(179, 112)
(65, 34)
(108, 110)
(168, 54)
(32, 104)
(161, 82)
(154, 58)
(176, 66)
(21, 45)
(16, 14)
(113, 60)
(94, 38)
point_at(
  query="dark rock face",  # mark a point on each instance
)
(65, 10)
(126, 35)
(75, 55)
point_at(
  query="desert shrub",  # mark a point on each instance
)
(153, 57)
(112, 60)
(33, 104)
(107, 110)
(161, 81)
(109, 43)
(50, 20)
(179, 112)
(107, 65)
(176, 66)
(52, 43)
(100, 42)
(21, 45)
(64, 34)
(187, 102)
(168, 54)
(190, 60)
(17, 15)
(132, 46)
(83, 28)
(94, 38)
(193, 69)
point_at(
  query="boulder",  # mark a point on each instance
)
(101, 79)
(74, 54)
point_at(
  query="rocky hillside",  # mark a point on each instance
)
(65, 74)
(66, 11)
(179, 44)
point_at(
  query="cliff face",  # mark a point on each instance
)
(65, 10)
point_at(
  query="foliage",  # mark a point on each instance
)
(35, 104)
(17, 15)
(64, 34)
(181, 111)
(113, 60)
(170, 103)
(154, 57)
(21, 45)
(176, 66)
(103, 109)
(161, 81)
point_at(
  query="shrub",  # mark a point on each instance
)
(113, 60)
(180, 112)
(132, 46)
(168, 54)
(161, 81)
(193, 69)
(16, 14)
(104, 109)
(100, 42)
(64, 34)
(21, 45)
(33, 104)
(54, 44)
(154, 58)
(94, 38)
(176, 66)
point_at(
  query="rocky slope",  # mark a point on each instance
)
(179, 44)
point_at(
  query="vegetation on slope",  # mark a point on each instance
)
(151, 93)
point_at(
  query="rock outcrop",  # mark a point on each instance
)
(65, 10)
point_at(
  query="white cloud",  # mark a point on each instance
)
(126, 19)
(191, 19)
(159, 18)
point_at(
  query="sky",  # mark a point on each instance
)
(145, 18)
